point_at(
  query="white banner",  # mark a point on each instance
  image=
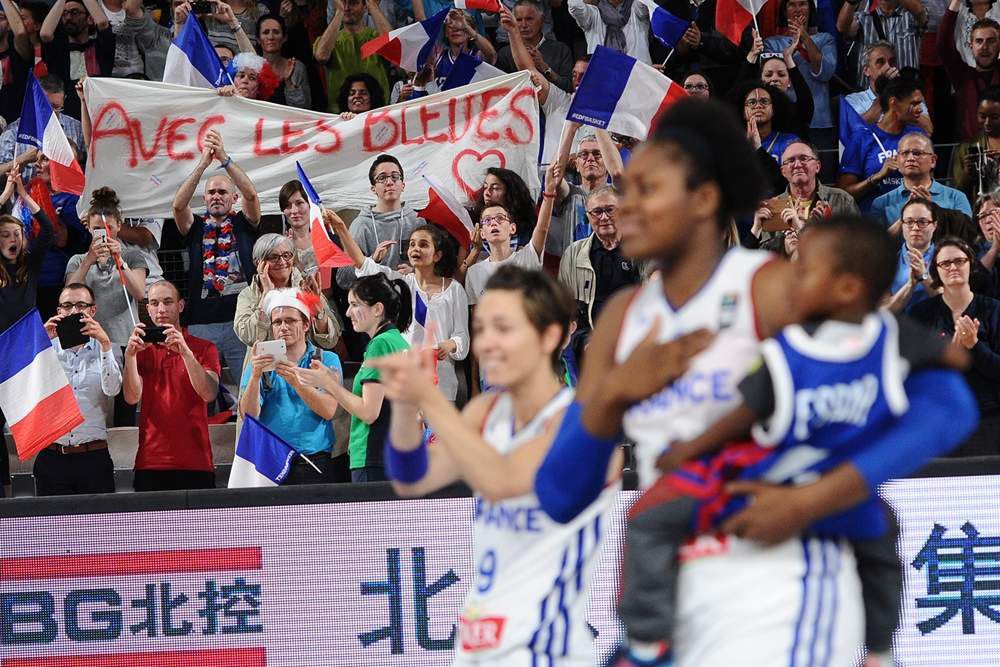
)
(148, 136)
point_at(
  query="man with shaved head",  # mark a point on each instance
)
(219, 246)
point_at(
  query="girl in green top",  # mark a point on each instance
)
(380, 308)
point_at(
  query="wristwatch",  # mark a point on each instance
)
(547, 72)
(925, 276)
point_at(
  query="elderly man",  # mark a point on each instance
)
(916, 159)
(219, 248)
(79, 462)
(274, 392)
(900, 22)
(984, 39)
(176, 379)
(551, 58)
(594, 267)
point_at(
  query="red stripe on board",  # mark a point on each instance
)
(129, 563)
(54, 416)
(225, 657)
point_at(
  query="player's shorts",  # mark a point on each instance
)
(797, 604)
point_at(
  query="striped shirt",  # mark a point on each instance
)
(901, 29)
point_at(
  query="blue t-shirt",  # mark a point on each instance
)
(866, 152)
(776, 143)
(285, 413)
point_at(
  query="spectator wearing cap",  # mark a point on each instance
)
(71, 51)
(175, 380)
(79, 462)
(863, 109)
(917, 159)
(549, 57)
(339, 47)
(622, 25)
(219, 248)
(899, 22)
(275, 392)
(967, 80)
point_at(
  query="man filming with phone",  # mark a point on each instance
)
(176, 375)
(79, 462)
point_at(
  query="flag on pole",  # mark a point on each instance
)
(261, 459)
(408, 46)
(444, 210)
(733, 16)
(469, 69)
(192, 60)
(39, 127)
(328, 253)
(620, 94)
(485, 5)
(35, 395)
(665, 26)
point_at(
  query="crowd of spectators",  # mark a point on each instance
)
(889, 108)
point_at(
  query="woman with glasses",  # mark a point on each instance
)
(913, 282)
(697, 85)
(972, 322)
(778, 69)
(767, 114)
(506, 188)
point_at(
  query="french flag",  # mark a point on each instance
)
(261, 459)
(666, 27)
(409, 46)
(444, 210)
(39, 127)
(35, 395)
(192, 60)
(733, 16)
(485, 5)
(328, 253)
(469, 69)
(622, 95)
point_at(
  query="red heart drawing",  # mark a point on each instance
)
(456, 172)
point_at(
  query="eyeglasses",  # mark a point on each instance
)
(801, 159)
(696, 86)
(280, 257)
(69, 306)
(491, 220)
(602, 211)
(583, 155)
(758, 102)
(394, 176)
(957, 263)
(915, 153)
(920, 223)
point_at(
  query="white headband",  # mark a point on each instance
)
(291, 298)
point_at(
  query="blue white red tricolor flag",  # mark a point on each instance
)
(444, 210)
(469, 69)
(328, 253)
(485, 5)
(733, 16)
(39, 127)
(620, 94)
(409, 46)
(261, 459)
(192, 60)
(35, 395)
(665, 26)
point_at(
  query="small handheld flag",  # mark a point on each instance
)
(192, 60)
(492, 6)
(39, 127)
(261, 459)
(665, 26)
(328, 253)
(444, 209)
(469, 69)
(409, 46)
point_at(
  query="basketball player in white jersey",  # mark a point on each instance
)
(739, 603)
(527, 604)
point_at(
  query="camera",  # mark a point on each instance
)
(202, 7)
(70, 331)
(154, 334)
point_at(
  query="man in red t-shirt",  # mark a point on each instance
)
(176, 380)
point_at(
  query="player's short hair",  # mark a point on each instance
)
(864, 249)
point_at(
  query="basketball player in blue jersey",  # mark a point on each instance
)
(823, 391)
(740, 594)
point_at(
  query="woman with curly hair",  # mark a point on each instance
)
(359, 93)
(504, 187)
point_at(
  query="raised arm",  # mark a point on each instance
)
(847, 24)
(22, 43)
(323, 47)
(248, 193)
(553, 176)
(48, 29)
(378, 18)
(612, 158)
(181, 206)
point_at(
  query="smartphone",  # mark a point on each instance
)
(274, 348)
(100, 235)
(70, 331)
(154, 334)
(202, 7)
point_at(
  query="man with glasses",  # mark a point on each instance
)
(390, 221)
(14, 153)
(916, 158)
(79, 462)
(219, 248)
(69, 48)
(594, 267)
(967, 80)
(175, 379)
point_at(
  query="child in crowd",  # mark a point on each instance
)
(822, 392)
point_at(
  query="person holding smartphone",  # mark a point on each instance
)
(79, 462)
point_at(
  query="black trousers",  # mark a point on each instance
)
(69, 474)
(172, 480)
(303, 473)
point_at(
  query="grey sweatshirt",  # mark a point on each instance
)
(371, 228)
